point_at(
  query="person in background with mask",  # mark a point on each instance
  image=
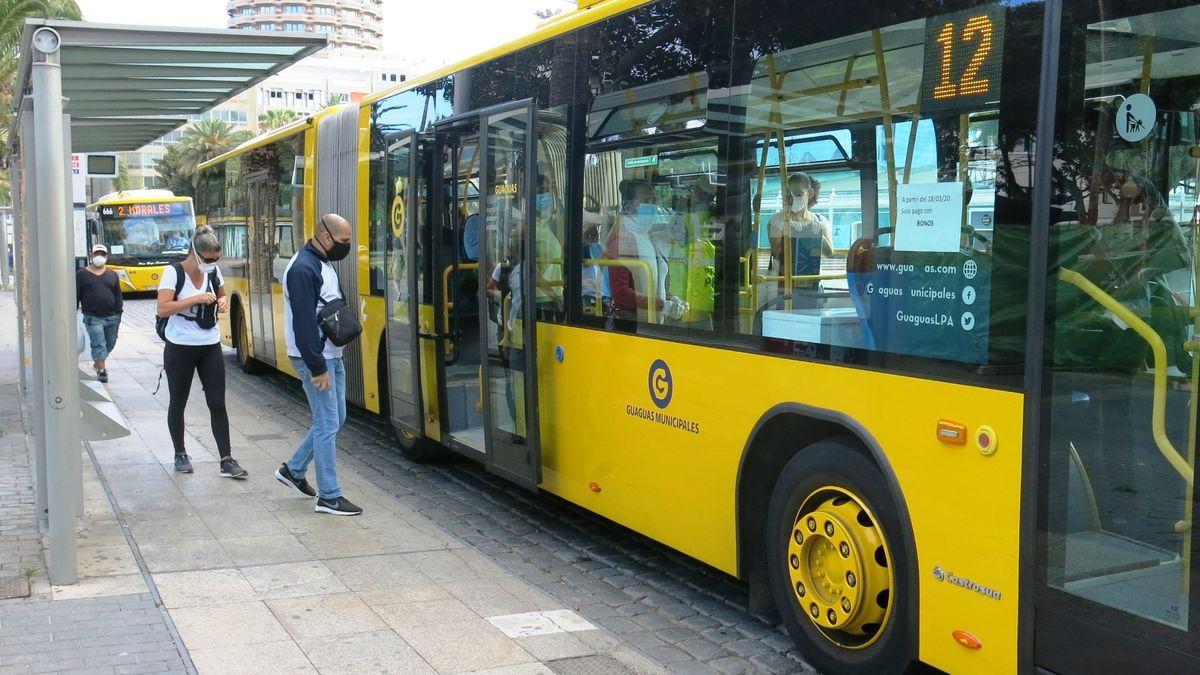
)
(547, 223)
(194, 345)
(310, 281)
(800, 229)
(632, 292)
(98, 292)
(597, 296)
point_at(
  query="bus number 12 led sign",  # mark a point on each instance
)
(962, 61)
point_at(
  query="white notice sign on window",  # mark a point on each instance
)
(929, 217)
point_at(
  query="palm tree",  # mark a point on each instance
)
(204, 140)
(12, 20)
(275, 118)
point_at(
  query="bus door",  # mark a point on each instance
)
(261, 235)
(1118, 553)
(404, 383)
(510, 281)
(455, 224)
(483, 290)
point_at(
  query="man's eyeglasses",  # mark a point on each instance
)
(209, 261)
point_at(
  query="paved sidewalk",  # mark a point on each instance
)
(252, 580)
(108, 622)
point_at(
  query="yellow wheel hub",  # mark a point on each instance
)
(840, 567)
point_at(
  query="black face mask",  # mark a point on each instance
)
(339, 249)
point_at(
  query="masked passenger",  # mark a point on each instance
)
(798, 233)
(633, 293)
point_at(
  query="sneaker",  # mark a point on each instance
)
(338, 506)
(102, 375)
(183, 464)
(231, 469)
(284, 475)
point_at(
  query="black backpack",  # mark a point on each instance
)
(160, 322)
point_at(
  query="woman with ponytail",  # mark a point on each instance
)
(189, 296)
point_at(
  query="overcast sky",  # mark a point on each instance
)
(440, 30)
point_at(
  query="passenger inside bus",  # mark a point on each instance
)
(635, 286)
(804, 233)
(597, 296)
(549, 252)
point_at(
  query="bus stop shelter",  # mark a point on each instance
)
(85, 87)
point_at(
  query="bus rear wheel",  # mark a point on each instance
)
(836, 562)
(241, 344)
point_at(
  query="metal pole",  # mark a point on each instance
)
(30, 308)
(4, 271)
(16, 180)
(60, 401)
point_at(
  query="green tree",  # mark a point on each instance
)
(13, 14)
(275, 118)
(201, 142)
(170, 172)
(123, 181)
(204, 140)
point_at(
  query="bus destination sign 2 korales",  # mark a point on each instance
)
(145, 210)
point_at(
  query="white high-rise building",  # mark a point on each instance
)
(356, 24)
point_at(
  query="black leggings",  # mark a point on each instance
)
(180, 361)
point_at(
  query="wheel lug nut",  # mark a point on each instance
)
(814, 610)
(812, 524)
(832, 617)
(851, 579)
(844, 549)
(799, 537)
(800, 589)
(795, 562)
(829, 528)
(846, 605)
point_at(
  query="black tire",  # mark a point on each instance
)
(821, 475)
(416, 448)
(248, 364)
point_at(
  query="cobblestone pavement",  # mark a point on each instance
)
(57, 629)
(678, 612)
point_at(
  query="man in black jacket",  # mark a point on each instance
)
(98, 292)
(310, 281)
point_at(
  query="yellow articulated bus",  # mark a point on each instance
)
(144, 230)
(888, 309)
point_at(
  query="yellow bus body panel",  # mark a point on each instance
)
(679, 487)
(141, 279)
(374, 319)
(372, 312)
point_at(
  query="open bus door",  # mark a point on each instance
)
(482, 202)
(403, 347)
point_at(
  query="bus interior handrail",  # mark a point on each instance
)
(1158, 418)
(651, 308)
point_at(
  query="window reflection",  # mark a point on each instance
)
(1123, 383)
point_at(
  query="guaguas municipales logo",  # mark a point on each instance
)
(661, 385)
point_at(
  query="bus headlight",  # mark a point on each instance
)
(123, 276)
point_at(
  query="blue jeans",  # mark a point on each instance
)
(329, 414)
(102, 332)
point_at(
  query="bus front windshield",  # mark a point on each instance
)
(148, 232)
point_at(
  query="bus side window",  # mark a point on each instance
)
(844, 155)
